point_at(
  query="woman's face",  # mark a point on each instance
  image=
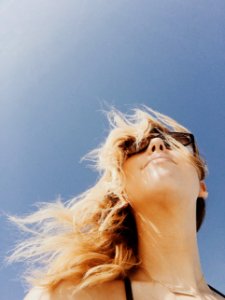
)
(160, 174)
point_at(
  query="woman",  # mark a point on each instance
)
(132, 235)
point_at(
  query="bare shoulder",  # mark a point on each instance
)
(108, 290)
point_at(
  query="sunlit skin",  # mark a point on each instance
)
(163, 193)
(162, 187)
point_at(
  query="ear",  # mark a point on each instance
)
(203, 190)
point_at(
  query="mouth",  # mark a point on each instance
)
(158, 158)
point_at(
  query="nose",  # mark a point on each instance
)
(156, 145)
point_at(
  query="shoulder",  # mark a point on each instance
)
(108, 290)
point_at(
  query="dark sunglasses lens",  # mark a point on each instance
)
(143, 144)
(131, 148)
(182, 138)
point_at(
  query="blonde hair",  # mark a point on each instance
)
(92, 238)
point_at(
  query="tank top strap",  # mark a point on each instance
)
(216, 291)
(128, 288)
(129, 294)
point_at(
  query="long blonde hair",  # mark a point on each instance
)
(92, 238)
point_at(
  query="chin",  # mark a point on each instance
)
(166, 192)
(162, 174)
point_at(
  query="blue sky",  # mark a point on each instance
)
(62, 61)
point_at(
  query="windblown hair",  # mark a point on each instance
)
(92, 238)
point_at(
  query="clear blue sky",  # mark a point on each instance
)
(60, 61)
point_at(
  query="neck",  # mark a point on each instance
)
(168, 248)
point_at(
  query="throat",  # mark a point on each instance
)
(169, 256)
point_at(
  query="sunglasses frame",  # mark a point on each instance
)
(158, 133)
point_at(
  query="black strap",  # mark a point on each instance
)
(213, 289)
(129, 295)
(128, 289)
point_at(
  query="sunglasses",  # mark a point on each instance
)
(186, 139)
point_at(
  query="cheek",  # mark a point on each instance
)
(192, 182)
(134, 179)
(133, 186)
(187, 181)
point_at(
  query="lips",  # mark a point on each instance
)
(158, 156)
